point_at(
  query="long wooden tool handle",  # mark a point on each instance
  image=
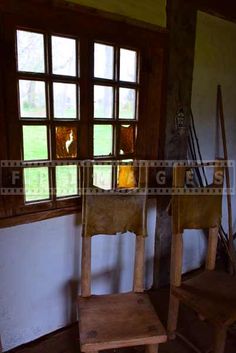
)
(220, 114)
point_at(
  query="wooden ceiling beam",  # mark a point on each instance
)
(225, 9)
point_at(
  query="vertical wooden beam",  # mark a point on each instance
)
(86, 267)
(220, 335)
(176, 259)
(139, 264)
(212, 248)
(152, 348)
(175, 277)
(172, 316)
(182, 30)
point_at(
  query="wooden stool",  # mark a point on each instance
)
(211, 294)
(116, 320)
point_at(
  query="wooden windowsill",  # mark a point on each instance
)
(43, 215)
(38, 216)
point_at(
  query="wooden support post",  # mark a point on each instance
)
(176, 271)
(139, 264)
(176, 259)
(86, 267)
(219, 339)
(212, 248)
(152, 348)
(172, 316)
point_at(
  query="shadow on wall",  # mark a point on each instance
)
(113, 280)
(112, 266)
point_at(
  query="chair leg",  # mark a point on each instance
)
(172, 316)
(152, 348)
(219, 340)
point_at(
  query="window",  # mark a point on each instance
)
(115, 108)
(75, 87)
(48, 97)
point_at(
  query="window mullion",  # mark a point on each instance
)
(85, 136)
(50, 110)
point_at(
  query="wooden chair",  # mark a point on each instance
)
(116, 320)
(211, 294)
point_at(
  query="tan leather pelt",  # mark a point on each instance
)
(109, 214)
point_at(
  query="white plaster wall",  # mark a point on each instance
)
(215, 54)
(194, 248)
(40, 271)
(150, 11)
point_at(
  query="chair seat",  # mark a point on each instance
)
(211, 294)
(118, 320)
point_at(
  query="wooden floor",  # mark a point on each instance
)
(198, 332)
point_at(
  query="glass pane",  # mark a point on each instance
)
(35, 142)
(66, 142)
(103, 102)
(66, 180)
(102, 140)
(128, 65)
(127, 136)
(64, 99)
(127, 103)
(36, 182)
(126, 177)
(63, 56)
(103, 61)
(102, 176)
(30, 51)
(32, 99)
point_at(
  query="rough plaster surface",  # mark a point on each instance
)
(151, 11)
(215, 54)
(40, 271)
(37, 263)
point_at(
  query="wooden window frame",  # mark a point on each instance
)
(88, 27)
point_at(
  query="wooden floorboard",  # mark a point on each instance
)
(198, 332)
